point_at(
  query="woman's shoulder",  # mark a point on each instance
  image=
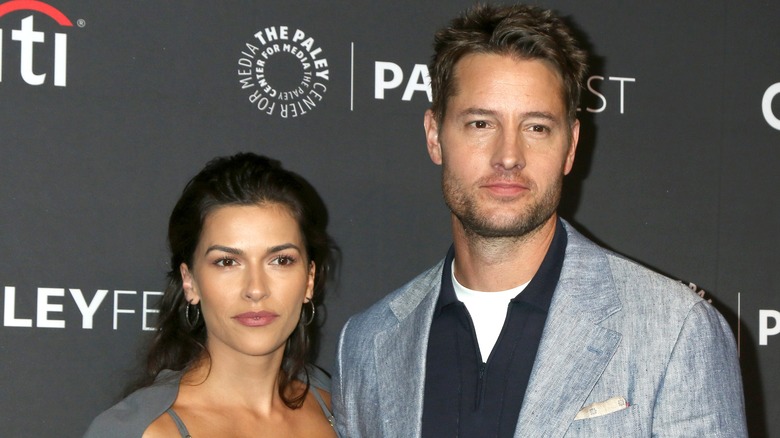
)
(318, 378)
(320, 383)
(133, 414)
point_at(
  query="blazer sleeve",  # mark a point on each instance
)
(701, 391)
(355, 406)
(340, 413)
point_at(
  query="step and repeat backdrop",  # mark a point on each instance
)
(108, 108)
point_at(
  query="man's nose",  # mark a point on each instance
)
(509, 151)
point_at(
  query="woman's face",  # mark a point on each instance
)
(251, 276)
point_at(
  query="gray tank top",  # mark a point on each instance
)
(186, 434)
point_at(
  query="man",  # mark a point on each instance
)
(527, 328)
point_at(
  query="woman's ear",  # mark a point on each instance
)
(310, 282)
(188, 284)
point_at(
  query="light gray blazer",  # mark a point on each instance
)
(614, 328)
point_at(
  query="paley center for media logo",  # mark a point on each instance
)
(283, 71)
(43, 55)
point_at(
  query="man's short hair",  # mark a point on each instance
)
(525, 32)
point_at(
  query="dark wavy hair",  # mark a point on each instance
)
(241, 179)
(526, 32)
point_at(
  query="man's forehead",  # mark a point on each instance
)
(477, 66)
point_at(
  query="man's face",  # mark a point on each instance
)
(504, 144)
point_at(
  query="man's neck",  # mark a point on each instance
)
(496, 264)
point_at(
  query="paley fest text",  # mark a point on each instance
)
(50, 307)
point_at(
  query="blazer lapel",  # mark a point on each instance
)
(575, 349)
(400, 357)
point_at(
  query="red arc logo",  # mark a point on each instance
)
(35, 5)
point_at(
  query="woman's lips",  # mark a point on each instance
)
(256, 319)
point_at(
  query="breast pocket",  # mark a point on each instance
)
(623, 423)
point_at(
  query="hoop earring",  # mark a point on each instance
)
(313, 312)
(187, 314)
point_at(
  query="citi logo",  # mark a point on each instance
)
(25, 39)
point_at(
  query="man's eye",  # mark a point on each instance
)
(539, 128)
(481, 124)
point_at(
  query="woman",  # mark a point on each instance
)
(249, 259)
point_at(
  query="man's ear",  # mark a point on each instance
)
(575, 136)
(432, 137)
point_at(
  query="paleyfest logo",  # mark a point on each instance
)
(283, 72)
(27, 40)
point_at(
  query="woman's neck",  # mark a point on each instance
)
(238, 380)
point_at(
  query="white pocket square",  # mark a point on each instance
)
(602, 408)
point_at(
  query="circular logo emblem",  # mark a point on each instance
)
(283, 72)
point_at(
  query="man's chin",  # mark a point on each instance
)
(502, 230)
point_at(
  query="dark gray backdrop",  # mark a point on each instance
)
(677, 166)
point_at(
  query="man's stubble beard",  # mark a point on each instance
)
(465, 207)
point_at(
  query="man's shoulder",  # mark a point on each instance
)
(399, 303)
(643, 284)
(633, 281)
(133, 414)
(635, 299)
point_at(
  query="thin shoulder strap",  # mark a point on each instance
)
(179, 424)
(324, 406)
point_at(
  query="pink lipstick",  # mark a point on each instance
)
(256, 319)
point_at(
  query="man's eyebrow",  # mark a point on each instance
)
(475, 111)
(541, 115)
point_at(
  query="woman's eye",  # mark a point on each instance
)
(226, 262)
(283, 260)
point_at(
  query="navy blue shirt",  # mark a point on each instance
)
(465, 397)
